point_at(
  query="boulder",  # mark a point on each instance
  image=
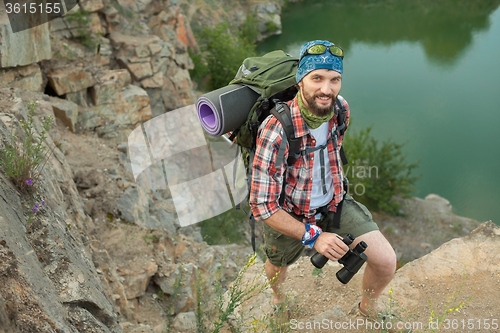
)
(166, 220)
(139, 70)
(79, 97)
(185, 322)
(155, 81)
(268, 17)
(120, 76)
(66, 111)
(89, 119)
(71, 79)
(178, 282)
(24, 47)
(105, 92)
(133, 206)
(23, 77)
(135, 103)
(136, 276)
(117, 109)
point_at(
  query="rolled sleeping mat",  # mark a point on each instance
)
(225, 109)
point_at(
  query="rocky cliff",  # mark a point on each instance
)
(103, 254)
(98, 253)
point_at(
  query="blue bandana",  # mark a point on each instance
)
(312, 62)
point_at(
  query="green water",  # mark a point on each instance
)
(422, 72)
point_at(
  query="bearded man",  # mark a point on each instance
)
(314, 184)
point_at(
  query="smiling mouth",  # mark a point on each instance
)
(324, 98)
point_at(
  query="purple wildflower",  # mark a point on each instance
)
(43, 203)
(29, 182)
(35, 208)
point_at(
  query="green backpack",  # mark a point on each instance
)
(272, 76)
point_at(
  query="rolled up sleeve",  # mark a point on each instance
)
(267, 178)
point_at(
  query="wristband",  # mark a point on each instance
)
(310, 236)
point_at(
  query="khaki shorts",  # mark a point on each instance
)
(283, 251)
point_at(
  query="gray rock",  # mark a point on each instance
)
(85, 320)
(133, 206)
(79, 97)
(66, 111)
(193, 232)
(135, 101)
(185, 322)
(46, 266)
(70, 79)
(178, 281)
(105, 92)
(166, 220)
(268, 19)
(25, 77)
(157, 107)
(136, 277)
(24, 47)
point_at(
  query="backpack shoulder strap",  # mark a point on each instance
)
(283, 113)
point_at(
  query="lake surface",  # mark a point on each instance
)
(422, 72)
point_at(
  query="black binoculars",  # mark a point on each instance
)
(352, 260)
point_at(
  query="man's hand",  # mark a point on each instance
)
(331, 246)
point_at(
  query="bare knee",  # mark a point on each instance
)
(386, 263)
(381, 255)
(275, 271)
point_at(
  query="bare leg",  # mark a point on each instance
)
(276, 276)
(379, 271)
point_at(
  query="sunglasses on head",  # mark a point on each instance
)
(320, 49)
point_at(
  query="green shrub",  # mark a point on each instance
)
(248, 30)
(377, 172)
(271, 27)
(200, 70)
(226, 228)
(21, 163)
(222, 52)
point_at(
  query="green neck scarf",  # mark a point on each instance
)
(312, 121)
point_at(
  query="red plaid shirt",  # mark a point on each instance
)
(267, 177)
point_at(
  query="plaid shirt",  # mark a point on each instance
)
(267, 178)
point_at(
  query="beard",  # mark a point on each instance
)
(317, 109)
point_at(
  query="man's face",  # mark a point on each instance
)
(319, 90)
